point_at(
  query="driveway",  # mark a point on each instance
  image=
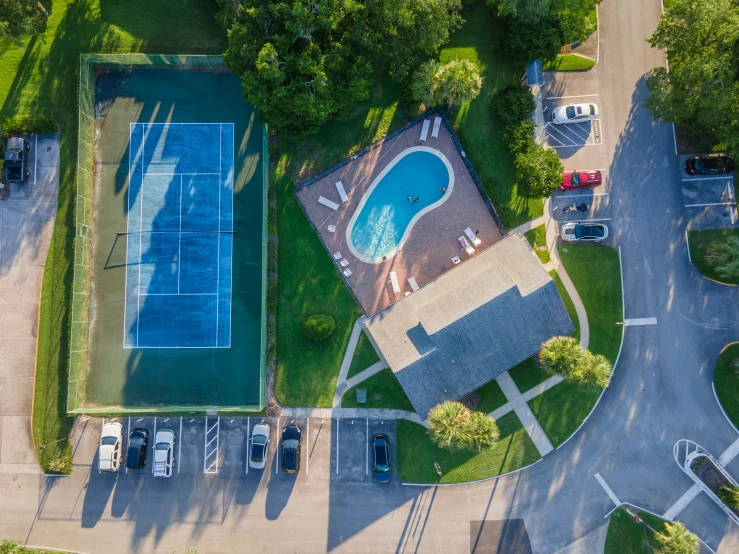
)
(26, 222)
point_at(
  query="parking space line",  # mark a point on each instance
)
(574, 145)
(587, 220)
(575, 96)
(580, 195)
(710, 204)
(129, 418)
(307, 440)
(277, 453)
(551, 126)
(577, 126)
(179, 447)
(688, 243)
(337, 445)
(154, 444)
(366, 451)
(608, 490)
(248, 428)
(729, 177)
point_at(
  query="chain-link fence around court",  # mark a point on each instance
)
(90, 66)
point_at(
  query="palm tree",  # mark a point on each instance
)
(448, 425)
(424, 83)
(459, 81)
(724, 257)
(561, 356)
(483, 430)
(677, 540)
(594, 371)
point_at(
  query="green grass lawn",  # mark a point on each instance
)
(417, 453)
(41, 77)
(700, 241)
(569, 62)
(364, 356)
(568, 303)
(491, 397)
(474, 122)
(383, 391)
(595, 272)
(626, 536)
(538, 240)
(726, 381)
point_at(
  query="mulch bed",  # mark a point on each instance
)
(710, 475)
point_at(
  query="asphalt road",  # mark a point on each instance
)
(661, 392)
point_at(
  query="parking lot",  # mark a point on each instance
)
(710, 201)
(331, 449)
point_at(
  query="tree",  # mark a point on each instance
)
(594, 370)
(453, 83)
(448, 425)
(701, 92)
(20, 18)
(536, 39)
(724, 257)
(513, 104)
(452, 425)
(522, 9)
(561, 356)
(303, 63)
(539, 171)
(677, 540)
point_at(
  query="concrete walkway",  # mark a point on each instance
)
(528, 395)
(521, 407)
(347, 361)
(349, 413)
(26, 223)
(526, 227)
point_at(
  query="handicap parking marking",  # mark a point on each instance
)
(211, 452)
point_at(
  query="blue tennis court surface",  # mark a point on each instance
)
(180, 241)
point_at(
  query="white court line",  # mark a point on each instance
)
(710, 204)
(575, 96)
(366, 451)
(141, 235)
(608, 490)
(688, 243)
(179, 447)
(248, 429)
(674, 510)
(337, 445)
(728, 177)
(307, 446)
(640, 321)
(179, 243)
(218, 237)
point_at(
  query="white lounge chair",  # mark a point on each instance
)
(344, 262)
(337, 256)
(347, 272)
(332, 228)
(466, 245)
(342, 192)
(456, 260)
(437, 124)
(326, 202)
(394, 281)
(413, 284)
(425, 129)
(473, 238)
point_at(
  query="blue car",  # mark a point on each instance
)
(381, 471)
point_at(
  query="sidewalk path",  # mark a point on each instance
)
(26, 224)
(349, 413)
(347, 361)
(524, 413)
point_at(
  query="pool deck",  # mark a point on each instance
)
(432, 242)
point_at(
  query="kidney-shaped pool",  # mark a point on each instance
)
(385, 215)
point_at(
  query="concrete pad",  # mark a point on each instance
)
(592, 543)
(17, 443)
(19, 320)
(20, 283)
(46, 150)
(501, 535)
(16, 394)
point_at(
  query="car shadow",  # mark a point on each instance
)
(97, 492)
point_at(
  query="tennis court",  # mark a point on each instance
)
(180, 241)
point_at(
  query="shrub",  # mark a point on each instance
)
(677, 540)
(423, 86)
(62, 464)
(538, 170)
(729, 495)
(561, 356)
(519, 137)
(319, 327)
(27, 124)
(724, 257)
(452, 425)
(594, 371)
(513, 104)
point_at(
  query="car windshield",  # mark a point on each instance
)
(108, 441)
(291, 444)
(588, 231)
(575, 180)
(380, 454)
(570, 111)
(592, 109)
(162, 446)
(135, 443)
(257, 452)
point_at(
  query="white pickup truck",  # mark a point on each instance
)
(110, 452)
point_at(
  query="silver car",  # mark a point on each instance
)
(164, 453)
(258, 445)
(574, 113)
(580, 232)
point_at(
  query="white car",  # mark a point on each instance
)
(164, 452)
(574, 113)
(579, 232)
(110, 452)
(258, 444)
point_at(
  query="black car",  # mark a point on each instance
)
(290, 443)
(381, 458)
(712, 164)
(138, 441)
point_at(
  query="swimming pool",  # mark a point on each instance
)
(385, 215)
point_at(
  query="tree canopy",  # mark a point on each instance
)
(20, 18)
(701, 92)
(303, 62)
(451, 83)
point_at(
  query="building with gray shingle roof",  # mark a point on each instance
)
(471, 324)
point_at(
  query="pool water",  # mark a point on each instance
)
(385, 216)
